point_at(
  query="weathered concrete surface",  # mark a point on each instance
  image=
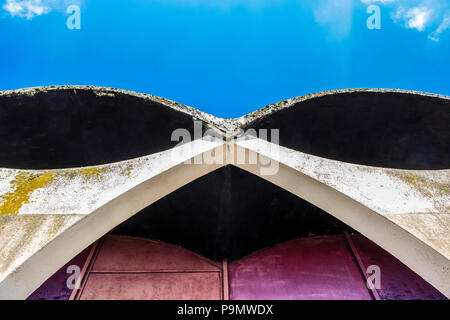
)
(387, 191)
(83, 190)
(23, 235)
(119, 193)
(428, 257)
(419, 201)
(404, 211)
(432, 229)
(346, 191)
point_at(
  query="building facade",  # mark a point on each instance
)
(308, 198)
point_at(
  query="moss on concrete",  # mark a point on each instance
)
(427, 187)
(26, 182)
(92, 172)
(23, 185)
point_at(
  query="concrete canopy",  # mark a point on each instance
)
(57, 201)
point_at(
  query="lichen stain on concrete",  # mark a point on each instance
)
(24, 184)
(428, 188)
(127, 171)
(92, 172)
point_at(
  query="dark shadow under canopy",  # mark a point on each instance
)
(230, 213)
(395, 130)
(62, 127)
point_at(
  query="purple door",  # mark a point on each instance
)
(324, 267)
(310, 268)
(130, 268)
(398, 282)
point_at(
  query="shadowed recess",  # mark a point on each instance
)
(51, 128)
(80, 127)
(396, 130)
(230, 213)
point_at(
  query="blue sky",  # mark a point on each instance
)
(226, 57)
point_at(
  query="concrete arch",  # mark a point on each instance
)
(413, 252)
(420, 257)
(40, 266)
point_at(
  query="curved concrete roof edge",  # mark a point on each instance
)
(228, 125)
(218, 123)
(287, 103)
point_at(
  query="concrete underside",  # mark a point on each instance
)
(393, 130)
(384, 128)
(77, 128)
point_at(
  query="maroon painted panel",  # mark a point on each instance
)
(130, 268)
(131, 254)
(398, 282)
(311, 268)
(153, 286)
(55, 288)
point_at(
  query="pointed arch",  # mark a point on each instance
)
(430, 264)
(416, 254)
(40, 266)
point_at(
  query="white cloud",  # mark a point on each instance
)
(414, 18)
(32, 8)
(335, 15)
(419, 14)
(26, 8)
(445, 24)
